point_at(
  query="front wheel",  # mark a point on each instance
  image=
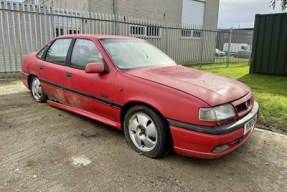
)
(146, 132)
(36, 91)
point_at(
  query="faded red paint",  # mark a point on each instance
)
(94, 68)
(176, 92)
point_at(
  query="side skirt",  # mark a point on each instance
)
(86, 114)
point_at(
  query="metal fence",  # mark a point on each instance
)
(234, 46)
(26, 28)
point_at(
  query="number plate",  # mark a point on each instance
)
(250, 124)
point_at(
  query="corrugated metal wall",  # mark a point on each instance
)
(269, 50)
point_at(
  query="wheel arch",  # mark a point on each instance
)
(30, 77)
(131, 104)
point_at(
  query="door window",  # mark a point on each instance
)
(41, 53)
(84, 52)
(58, 51)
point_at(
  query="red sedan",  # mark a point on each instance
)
(131, 85)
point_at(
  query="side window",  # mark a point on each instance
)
(58, 51)
(40, 54)
(84, 52)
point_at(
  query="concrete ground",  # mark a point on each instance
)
(46, 149)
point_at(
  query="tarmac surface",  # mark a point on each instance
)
(50, 150)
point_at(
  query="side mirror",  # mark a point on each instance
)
(97, 67)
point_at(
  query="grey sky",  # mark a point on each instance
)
(235, 13)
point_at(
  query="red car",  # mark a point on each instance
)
(129, 84)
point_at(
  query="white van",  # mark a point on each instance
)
(235, 47)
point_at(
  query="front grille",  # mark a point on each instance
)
(243, 106)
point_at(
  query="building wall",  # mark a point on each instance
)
(66, 4)
(211, 13)
(209, 37)
(102, 6)
(159, 10)
(164, 11)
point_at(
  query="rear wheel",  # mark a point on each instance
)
(36, 90)
(146, 132)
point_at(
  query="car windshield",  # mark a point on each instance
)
(135, 53)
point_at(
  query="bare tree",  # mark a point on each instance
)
(282, 2)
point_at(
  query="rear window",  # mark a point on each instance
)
(57, 53)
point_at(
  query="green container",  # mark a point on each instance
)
(269, 49)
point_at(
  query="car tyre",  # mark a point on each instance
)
(36, 91)
(147, 132)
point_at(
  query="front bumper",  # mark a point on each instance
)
(199, 141)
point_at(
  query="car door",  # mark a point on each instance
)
(88, 91)
(52, 69)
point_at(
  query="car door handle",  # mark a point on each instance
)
(68, 75)
(42, 68)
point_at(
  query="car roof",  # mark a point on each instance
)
(97, 36)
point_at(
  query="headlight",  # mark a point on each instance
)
(218, 113)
